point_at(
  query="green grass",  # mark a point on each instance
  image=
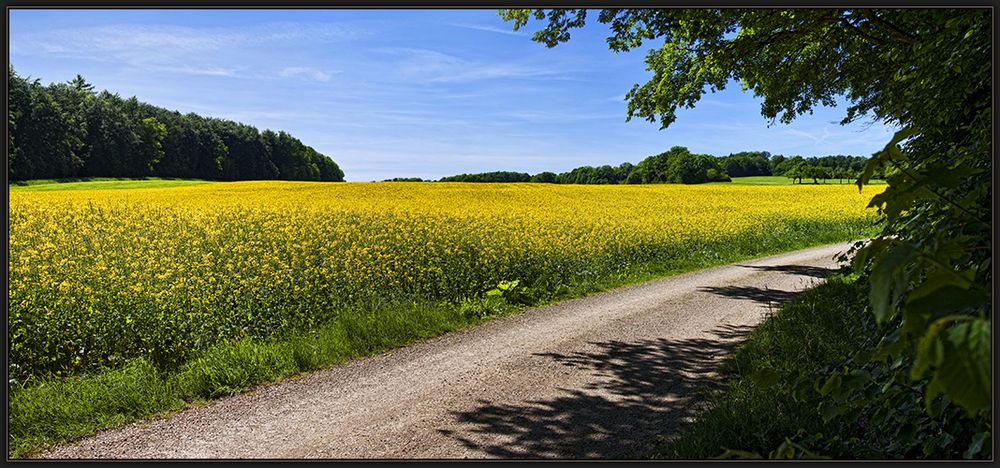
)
(817, 329)
(59, 410)
(100, 183)
(782, 180)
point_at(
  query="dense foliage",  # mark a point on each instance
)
(100, 277)
(67, 130)
(926, 71)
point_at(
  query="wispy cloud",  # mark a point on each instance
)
(557, 117)
(207, 70)
(304, 72)
(178, 49)
(438, 67)
(816, 137)
(248, 115)
(491, 29)
(128, 37)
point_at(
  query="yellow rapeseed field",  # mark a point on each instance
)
(99, 276)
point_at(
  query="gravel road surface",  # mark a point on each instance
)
(596, 377)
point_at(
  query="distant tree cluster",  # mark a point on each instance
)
(66, 130)
(593, 175)
(747, 164)
(680, 166)
(500, 176)
(840, 167)
(675, 166)
(404, 179)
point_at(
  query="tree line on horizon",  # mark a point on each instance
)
(679, 165)
(69, 130)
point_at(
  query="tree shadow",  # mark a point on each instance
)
(801, 270)
(633, 399)
(769, 297)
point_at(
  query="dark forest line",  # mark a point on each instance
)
(69, 130)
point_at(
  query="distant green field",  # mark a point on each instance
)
(100, 183)
(782, 180)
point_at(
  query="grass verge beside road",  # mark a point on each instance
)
(755, 413)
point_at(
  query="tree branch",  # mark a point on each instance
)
(897, 33)
(852, 27)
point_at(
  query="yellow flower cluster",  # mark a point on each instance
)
(101, 275)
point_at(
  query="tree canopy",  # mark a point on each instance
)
(927, 72)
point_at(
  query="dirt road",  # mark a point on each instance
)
(596, 377)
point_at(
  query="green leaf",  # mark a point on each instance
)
(961, 357)
(790, 450)
(930, 351)
(831, 384)
(889, 346)
(830, 410)
(965, 371)
(888, 279)
(737, 454)
(976, 446)
(856, 379)
(935, 281)
(948, 298)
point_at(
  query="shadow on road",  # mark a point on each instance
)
(802, 270)
(768, 297)
(618, 416)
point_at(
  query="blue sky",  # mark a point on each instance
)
(406, 93)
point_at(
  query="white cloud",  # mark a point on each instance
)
(207, 70)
